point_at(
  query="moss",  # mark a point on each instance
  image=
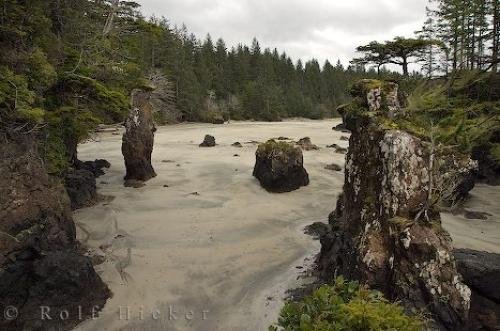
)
(276, 146)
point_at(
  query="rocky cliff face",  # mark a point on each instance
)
(39, 263)
(386, 231)
(138, 138)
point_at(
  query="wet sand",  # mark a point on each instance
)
(228, 252)
(481, 235)
(213, 250)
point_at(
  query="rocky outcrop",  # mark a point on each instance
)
(279, 167)
(306, 144)
(80, 182)
(208, 141)
(386, 231)
(96, 167)
(481, 272)
(39, 263)
(81, 188)
(138, 139)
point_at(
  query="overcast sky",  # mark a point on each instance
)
(305, 29)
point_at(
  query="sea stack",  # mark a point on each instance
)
(138, 139)
(384, 232)
(279, 167)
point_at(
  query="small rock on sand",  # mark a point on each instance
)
(476, 215)
(334, 167)
(209, 141)
(306, 144)
(237, 144)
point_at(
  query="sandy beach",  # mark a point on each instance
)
(202, 246)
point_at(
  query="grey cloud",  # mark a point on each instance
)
(304, 29)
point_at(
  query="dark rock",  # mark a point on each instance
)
(317, 229)
(134, 183)
(237, 144)
(378, 236)
(341, 128)
(488, 166)
(96, 167)
(208, 141)
(476, 215)
(344, 138)
(481, 272)
(236, 155)
(279, 167)
(81, 188)
(306, 145)
(138, 139)
(338, 149)
(341, 150)
(283, 138)
(334, 167)
(39, 263)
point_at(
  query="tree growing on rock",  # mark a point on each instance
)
(400, 51)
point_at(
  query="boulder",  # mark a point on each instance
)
(138, 139)
(237, 144)
(306, 144)
(279, 167)
(385, 233)
(81, 188)
(208, 141)
(341, 128)
(39, 261)
(481, 272)
(96, 167)
(334, 167)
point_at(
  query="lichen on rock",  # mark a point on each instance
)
(379, 235)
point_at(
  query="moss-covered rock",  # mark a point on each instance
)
(279, 167)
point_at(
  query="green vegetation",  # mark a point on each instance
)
(464, 112)
(345, 306)
(276, 146)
